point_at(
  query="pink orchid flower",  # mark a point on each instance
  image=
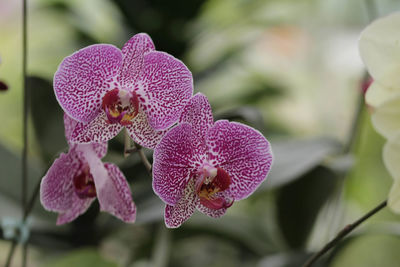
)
(75, 180)
(207, 165)
(138, 88)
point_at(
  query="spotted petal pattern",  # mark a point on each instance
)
(181, 168)
(142, 133)
(56, 189)
(176, 215)
(78, 207)
(70, 125)
(96, 131)
(243, 153)
(166, 85)
(112, 189)
(83, 78)
(133, 53)
(173, 164)
(199, 115)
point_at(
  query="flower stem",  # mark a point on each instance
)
(344, 232)
(143, 157)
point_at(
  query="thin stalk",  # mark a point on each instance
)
(344, 232)
(11, 253)
(24, 188)
(143, 157)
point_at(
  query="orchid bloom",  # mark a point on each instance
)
(75, 180)
(207, 165)
(106, 89)
(380, 50)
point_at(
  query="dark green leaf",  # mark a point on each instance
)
(47, 117)
(299, 202)
(293, 158)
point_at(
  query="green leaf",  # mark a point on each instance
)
(299, 202)
(294, 158)
(87, 257)
(47, 118)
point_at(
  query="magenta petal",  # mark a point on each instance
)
(83, 78)
(215, 213)
(96, 131)
(172, 163)
(70, 125)
(115, 196)
(198, 114)
(133, 53)
(112, 189)
(166, 85)
(243, 153)
(56, 188)
(142, 133)
(78, 207)
(176, 215)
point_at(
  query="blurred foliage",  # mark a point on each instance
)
(288, 68)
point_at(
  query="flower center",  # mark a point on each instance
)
(212, 181)
(120, 106)
(84, 183)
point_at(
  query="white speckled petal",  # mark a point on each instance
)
(79, 206)
(243, 153)
(176, 215)
(96, 131)
(56, 188)
(198, 114)
(142, 133)
(116, 195)
(70, 125)
(112, 189)
(380, 50)
(133, 53)
(172, 161)
(82, 79)
(166, 85)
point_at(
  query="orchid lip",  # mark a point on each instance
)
(120, 106)
(210, 182)
(84, 183)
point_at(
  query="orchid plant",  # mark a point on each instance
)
(380, 51)
(198, 163)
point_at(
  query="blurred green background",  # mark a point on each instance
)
(288, 68)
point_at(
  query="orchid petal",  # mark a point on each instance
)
(70, 125)
(377, 94)
(215, 213)
(96, 131)
(391, 156)
(172, 163)
(112, 188)
(56, 188)
(198, 114)
(142, 133)
(115, 197)
(380, 50)
(394, 197)
(78, 207)
(386, 117)
(243, 153)
(82, 79)
(165, 85)
(133, 53)
(176, 215)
